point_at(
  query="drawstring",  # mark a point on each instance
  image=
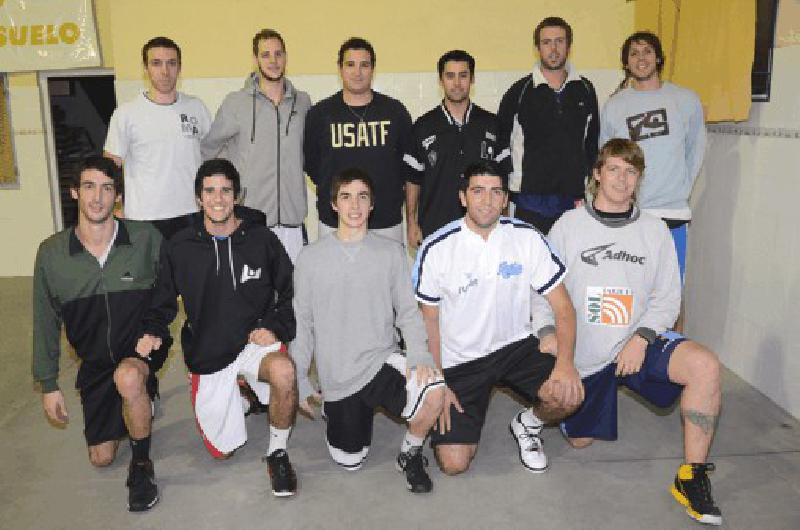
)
(230, 258)
(216, 252)
(230, 262)
(253, 126)
(253, 122)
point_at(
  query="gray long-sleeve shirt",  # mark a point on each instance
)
(623, 277)
(348, 297)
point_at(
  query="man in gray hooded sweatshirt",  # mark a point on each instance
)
(260, 129)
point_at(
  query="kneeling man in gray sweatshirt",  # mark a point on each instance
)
(352, 287)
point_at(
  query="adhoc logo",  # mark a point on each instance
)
(603, 252)
(610, 306)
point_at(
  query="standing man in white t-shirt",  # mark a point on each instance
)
(157, 138)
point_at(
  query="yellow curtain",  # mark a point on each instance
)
(709, 46)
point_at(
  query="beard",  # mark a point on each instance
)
(268, 77)
(554, 67)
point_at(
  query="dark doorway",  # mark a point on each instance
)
(80, 107)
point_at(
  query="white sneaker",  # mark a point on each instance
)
(531, 448)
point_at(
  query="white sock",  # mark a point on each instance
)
(411, 441)
(278, 439)
(529, 419)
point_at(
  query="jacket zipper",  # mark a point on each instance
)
(108, 315)
(278, 157)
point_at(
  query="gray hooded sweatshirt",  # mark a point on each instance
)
(265, 143)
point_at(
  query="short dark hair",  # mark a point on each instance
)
(217, 166)
(649, 38)
(348, 175)
(459, 56)
(104, 165)
(552, 22)
(355, 43)
(160, 42)
(266, 34)
(483, 167)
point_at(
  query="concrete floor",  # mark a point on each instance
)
(46, 481)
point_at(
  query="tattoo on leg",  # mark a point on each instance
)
(706, 422)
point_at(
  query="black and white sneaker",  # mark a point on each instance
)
(281, 473)
(531, 448)
(413, 464)
(692, 489)
(142, 489)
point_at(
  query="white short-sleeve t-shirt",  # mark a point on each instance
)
(483, 287)
(160, 148)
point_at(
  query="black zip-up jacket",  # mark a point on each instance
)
(440, 152)
(374, 138)
(230, 286)
(100, 307)
(559, 130)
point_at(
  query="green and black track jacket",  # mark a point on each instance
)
(100, 307)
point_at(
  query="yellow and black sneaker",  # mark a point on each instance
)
(693, 490)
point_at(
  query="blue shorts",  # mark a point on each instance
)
(597, 416)
(679, 235)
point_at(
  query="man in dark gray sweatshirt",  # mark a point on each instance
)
(352, 287)
(260, 129)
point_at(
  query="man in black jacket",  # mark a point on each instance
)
(236, 282)
(445, 140)
(548, 120)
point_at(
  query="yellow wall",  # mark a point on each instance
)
(409, 39)
(215, 37)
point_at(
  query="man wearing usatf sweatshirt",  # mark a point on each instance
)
(352, 287)
(260, 129)
(236, 283)
(626, 289)
(359, 128)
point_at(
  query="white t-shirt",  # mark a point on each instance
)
(160, 146)
(483, 288)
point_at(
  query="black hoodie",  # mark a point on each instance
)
(230, 286)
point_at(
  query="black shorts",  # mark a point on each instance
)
(520, 366)
(103, 419)
(349, 430)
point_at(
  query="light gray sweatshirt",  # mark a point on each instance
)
(265, 143)
(668, 125)
(623, 277)
(348, 298)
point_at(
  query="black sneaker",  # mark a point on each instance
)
(142, 489)
(413, 464)
(693, 490)
(281, 473)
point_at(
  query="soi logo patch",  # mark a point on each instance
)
(610, 306)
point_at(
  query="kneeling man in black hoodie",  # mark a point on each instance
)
(235, 279)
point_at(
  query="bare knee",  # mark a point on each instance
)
(130, 380)
(278, 371)
(697, 366)
(454, 461)
(102, 455)
(580, 443)
(434, 400)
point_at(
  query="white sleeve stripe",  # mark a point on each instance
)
(413, 162)
(505, 153)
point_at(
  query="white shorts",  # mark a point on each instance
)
(291, 238)
(218, 404)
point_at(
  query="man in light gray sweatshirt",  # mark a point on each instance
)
(623, 279)
(352, 287)
(260, 129)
